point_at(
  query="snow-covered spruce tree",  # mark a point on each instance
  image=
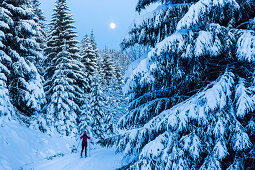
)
(192, 98)
(111, 88)
(39, 19)
(107, 69)
(6, 107)
(123, 59)
(89, 54)
(113, 81)
(64, 77)
(23, 81)
(41, 32)
(88, 59)
(97, 109)
(94, 117)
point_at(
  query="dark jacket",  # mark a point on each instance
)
(84, 138)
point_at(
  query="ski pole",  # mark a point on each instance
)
(78, 145)
(89, 148)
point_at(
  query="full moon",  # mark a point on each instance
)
(112, 25)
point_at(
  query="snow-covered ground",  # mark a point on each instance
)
(25, 148)
(99, 159)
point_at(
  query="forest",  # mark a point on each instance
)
(179, 94)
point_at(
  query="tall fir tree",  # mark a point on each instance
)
(89, 54)
(64, 75)
(112, 74)
(6, 107)
(41, 36)
(92, 116)
(24, 82)
(39, 19)
(97, 113)
(107, 68)
(89, 60)
(192, 97)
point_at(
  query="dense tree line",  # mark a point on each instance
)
(50, 81)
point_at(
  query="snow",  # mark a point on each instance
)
(219, 129)
(25, 148)
(153, 14)
(99, 159)
(3, 25)
(220, 150)
(240, 140)
(246, 46)
(245, 102)
(133, 66)
(174, 42)
(139, 66)
(206, 44)
(201, 8)
(21, 145)
(204, 104)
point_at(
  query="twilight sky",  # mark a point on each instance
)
(97, 15)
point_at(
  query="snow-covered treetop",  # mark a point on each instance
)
(62, 31)
(142, 4)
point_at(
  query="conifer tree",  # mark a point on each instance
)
(39, 19)
(89, 54)
(64, 77)
(107, 69)
(6, 107)
(93, 117)
(41, 33)
(191, 99)
(24, 82)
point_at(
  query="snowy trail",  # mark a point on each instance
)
(100, 159)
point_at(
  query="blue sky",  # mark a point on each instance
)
(97, 15)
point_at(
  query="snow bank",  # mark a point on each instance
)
(20, 146)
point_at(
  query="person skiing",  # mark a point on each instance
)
(84, 138)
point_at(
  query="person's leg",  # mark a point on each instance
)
(82, 148)
(86, 144)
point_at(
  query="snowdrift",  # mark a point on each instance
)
(21, 146)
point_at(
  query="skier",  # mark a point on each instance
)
(84, 138)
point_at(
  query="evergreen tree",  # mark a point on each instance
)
(89, 54)
(113, 103)
(39, 19)
(107, 69)
(94, 117)
(6, 107)
(41, 33)
(64, 77)
(97, 109)
(23, 81)
(192, 97)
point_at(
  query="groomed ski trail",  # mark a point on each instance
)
(99, 159)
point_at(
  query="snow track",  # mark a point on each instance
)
(100, 159)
